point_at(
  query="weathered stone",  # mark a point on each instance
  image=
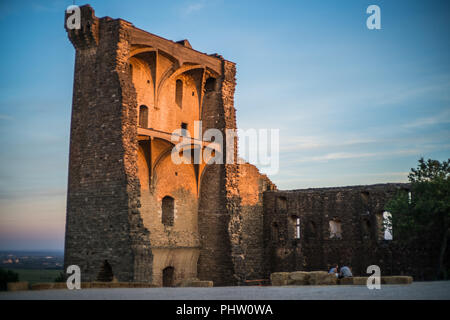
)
(194, 282)
(320, 278)
(396, 280)
(279, 278)
(299, 278)
(131, 91)
(359, 281)
(136, 216)
(346, 281)
(17, 286)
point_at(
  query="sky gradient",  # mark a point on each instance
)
(354, 106)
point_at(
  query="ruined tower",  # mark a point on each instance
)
(130, 208)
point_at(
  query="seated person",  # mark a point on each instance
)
(334, 270)
(345, 272)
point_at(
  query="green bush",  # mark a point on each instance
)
(7, 276)
(62, 277)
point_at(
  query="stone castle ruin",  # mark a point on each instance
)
(135, 215)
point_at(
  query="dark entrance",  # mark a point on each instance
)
(168, 276)
(106, 273)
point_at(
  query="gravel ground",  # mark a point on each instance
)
(417, 290)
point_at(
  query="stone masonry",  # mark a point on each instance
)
(134, 215)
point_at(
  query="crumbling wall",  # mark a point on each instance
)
(120, 169)
(356, 209)
(252, 184)
(220, 254)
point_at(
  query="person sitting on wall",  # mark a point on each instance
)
(334, 270)
(345, 272)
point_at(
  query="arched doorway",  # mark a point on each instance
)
(168, 276)
(106, 272)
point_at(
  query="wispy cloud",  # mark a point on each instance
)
(442, 118)
(5, 117)
(298, 143)
(355, 155)
(407, 94)
(194, 7)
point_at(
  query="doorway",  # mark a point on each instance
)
(168, 274)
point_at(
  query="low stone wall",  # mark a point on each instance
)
(96, 285)
(92, 285)
(302, 278)
(362, 281)
(194, 282)
(17, 286)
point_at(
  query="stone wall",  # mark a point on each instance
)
(229, 223)
(252, 184)
(219, 197)
(103, 188)
(358, 210)
(120, 168)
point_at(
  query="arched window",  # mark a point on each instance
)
(210, 84)
(282, 203)
(335, 229)
(387, 225)
(184, 127)
(179, 93)
(297, 228)
(143, 116)
(168, 207)
(106, 273)
(311, 229)
(275, 235)
(365, 197)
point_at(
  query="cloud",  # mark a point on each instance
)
(442, 118)
(316, 142)
(408, 94)
(52, 6)
(5, 117)
(356, 155)
(193, 7)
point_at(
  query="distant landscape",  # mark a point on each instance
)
(33, 266)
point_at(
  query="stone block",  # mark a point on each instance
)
(279, 278)
(346, 281)
(329, 279)
(86, 285)
(194, 282)
(360, 281)
(17, 286)
(42, 286)
(299, 278)
(319, 278)
(396, 280)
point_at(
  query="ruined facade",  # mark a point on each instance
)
(133, 214)
(130, 208)
(314, 229)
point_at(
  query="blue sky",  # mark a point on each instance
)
(354, 106)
